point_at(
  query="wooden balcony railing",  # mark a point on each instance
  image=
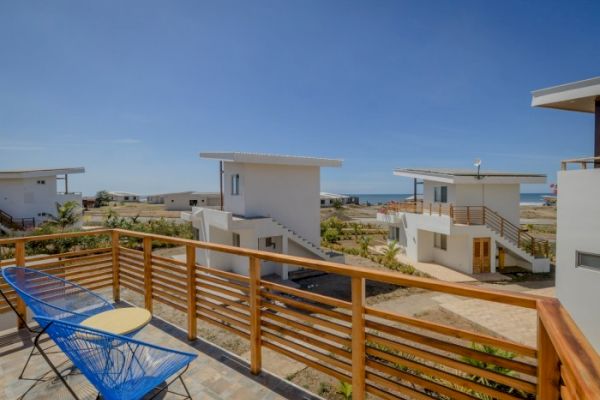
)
(583, 163)
(477, 215)
(383, 353)
(16, 223)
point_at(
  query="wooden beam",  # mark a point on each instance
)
(190, 258)
(548, 366)
(20, 262)
(255, 336)
(358, 339)
(148, 273)
(116, 267)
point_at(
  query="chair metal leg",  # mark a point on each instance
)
(56, 371)
(178, 377)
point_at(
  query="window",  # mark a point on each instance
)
(440, 194)
(126, 198)
(41, 182)
(194, 203)
(172, 201)
(588, 260)
(235, 184)
(440, 241)
(235, 239)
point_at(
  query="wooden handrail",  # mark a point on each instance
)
(573, 350)
(343, 343)
(583, 162)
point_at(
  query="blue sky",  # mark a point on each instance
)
(134, 90)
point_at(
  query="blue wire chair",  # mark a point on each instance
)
(53, 297)
(118, 366)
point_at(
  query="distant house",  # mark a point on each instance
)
(29, 196)
(271, 203)
(329, 199)
(120, 197)
(184, 201)
(466, 220)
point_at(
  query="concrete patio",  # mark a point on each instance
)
(215, 374)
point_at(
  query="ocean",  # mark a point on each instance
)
(526, 198)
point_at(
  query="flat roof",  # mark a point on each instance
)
(276, 159)
(39, 172)
(186, 192)
(449, 175)
(326, 195)
(575, 96)
(119, 193)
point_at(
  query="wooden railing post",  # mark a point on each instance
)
(452, 212)
(358, 338)
(440, 210)
(429, 208)
(501, 226)
(255, 335)
(519, 237)
(483, 211)
(116, 266)
(468, 216)
(20, 262)
(548, 379)
(148, 273)
(190, 258)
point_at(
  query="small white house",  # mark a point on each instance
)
(329, 199)
(29, 196)
(466, 221)
(184, 201)
(123, 197)
(271, 203)
(578, 212)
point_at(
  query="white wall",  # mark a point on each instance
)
(502, 198)
(25, 198)
(289, 194)
(578, 229)
(181, 201)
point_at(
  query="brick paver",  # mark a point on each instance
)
(215, 374)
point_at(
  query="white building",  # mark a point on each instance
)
(28, 196)
(578, 220)
(184, 201)
(329, 199)
(466, 221)
(121, 197)
(271, 203)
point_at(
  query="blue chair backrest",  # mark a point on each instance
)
(53, 297)
(118, 366)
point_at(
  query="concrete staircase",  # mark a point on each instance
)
(308, 245)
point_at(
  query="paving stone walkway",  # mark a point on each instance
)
(214, 375)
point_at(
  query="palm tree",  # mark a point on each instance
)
(390, 252)
(67, 214)
(364, 243)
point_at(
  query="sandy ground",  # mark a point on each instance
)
(134, 209)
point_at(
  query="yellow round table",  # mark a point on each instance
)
(120, 321)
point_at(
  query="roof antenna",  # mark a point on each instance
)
(477, 164)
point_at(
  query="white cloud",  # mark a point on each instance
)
(21, 148)
(125, 141)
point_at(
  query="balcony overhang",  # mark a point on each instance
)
(576, 96)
